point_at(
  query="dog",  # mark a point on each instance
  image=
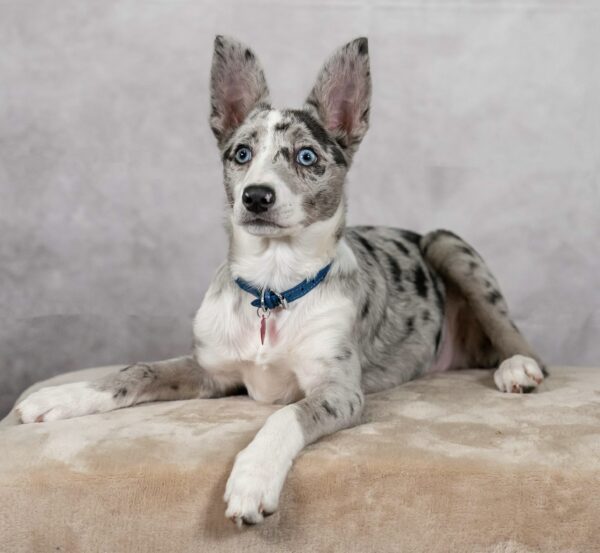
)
(307, 312)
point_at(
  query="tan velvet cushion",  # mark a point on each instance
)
(442, 464)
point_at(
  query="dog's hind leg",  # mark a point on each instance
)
(178, 378)
(487, 335)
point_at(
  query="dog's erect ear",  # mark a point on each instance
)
(342, 93)
(237, 86)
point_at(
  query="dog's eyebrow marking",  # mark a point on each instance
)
(319, 134)
(282, 127)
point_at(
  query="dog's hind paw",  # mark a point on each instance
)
(518, 374)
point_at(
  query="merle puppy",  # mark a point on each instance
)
(305, 311)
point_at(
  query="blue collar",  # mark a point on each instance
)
(269, 299)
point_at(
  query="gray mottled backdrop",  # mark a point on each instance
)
(486, 119)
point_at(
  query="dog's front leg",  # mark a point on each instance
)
(178, 378)
(259, 471)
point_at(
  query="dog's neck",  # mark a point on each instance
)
(280, 263)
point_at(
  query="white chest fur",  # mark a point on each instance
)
(227, 331)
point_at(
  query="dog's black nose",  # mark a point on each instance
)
(257, 198)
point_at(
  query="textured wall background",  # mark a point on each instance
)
(485, 119)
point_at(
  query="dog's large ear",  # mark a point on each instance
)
(342, 93)
(237, 86)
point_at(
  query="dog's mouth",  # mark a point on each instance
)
(259, 221)
(260, 226)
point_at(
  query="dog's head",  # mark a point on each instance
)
(284, 170)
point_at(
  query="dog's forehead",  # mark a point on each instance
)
(265, 123)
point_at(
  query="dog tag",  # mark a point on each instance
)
(263, 329)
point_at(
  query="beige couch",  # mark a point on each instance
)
(443, 464)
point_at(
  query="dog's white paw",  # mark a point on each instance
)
(518, 374)
(253, 489)
(64, 402)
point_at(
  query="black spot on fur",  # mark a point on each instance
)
(365, 310)
(312, 103)
(438, 338)
(351, 406)
(317, 169)
(439, 300)
(338, 156)
(420, 281)
(411, 236)
(284, 153)
(126, 368)
(363, 46)
(148, 372)
(345, 354)
(282, 127)
(465, 250)
(493, 297)
(121, 392)
(410, 326)
(341, 143)
(366, 244)
(314, 127)
(227, 153)
(248, 55)
(331, 411)
(401, 247)
(396, 272)
(262, 106)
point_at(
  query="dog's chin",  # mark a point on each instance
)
(263, 227)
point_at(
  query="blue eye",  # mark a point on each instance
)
(243, 155)
(306, 157)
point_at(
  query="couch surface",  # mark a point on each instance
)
(441, 464)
